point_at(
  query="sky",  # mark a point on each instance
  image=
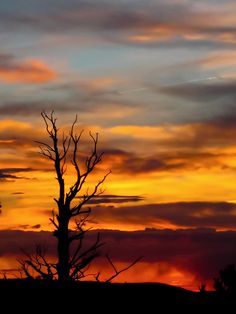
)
(157, 80)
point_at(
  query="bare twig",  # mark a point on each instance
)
(118, 272)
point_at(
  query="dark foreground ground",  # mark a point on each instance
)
(86, 297)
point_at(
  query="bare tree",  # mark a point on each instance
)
(73, 258)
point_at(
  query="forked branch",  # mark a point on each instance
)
(116, 271)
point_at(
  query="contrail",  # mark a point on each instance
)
(134, 90)
(210, 78)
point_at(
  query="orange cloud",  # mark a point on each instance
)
(31, 71)
(171, 162)
(102, 82)
(222, 59)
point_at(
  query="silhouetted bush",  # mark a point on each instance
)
(226, 282)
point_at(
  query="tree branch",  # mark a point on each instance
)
(118, 272)
(85, 198)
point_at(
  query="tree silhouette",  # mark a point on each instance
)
(72, 258)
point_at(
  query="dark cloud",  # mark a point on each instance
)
(12, 241)
(200, 92)
(215, 133)
(92, 15)
(17, 193)
(182, 214)
(173, 43)
(11, 173)
(10, 62)
(121, 19)
(107, 199)
(212, 103)
(36, 226)
(201, 252)
(26, 226)
(180, 153)
(6, 177)
(226, 121)
(31, 108)
(133, 164)
(34, 108)
(15, 170)
(6, 61)
(73, 97)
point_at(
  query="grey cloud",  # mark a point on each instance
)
(10, 62)
(207, 102)
(70, 97)
(32, 108)
(119, 18)
(6, 60)
(93, 15)
(201, 92)
(182, 214)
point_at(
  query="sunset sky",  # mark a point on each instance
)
(157, 80)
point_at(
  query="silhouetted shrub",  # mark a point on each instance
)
(226, 282)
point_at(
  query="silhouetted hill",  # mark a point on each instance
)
(36, 295)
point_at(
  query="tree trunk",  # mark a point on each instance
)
(63, 266)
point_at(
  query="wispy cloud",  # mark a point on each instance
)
(114, 199)
(130, 22)
(11, 174)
